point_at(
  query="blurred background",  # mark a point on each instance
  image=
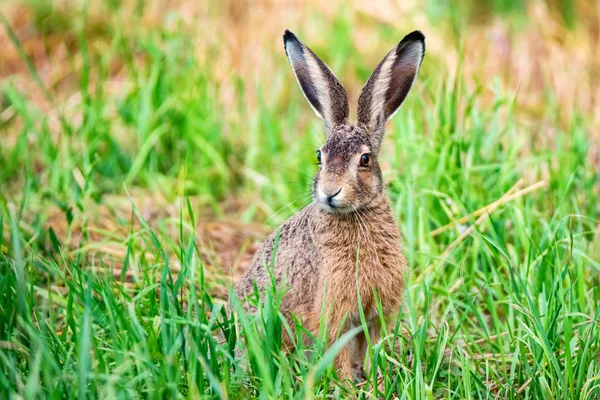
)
(156, 100)
(108, 103)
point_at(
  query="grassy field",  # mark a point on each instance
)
(147, 147)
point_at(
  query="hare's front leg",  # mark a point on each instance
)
(343, 364)
(374, 336)
(357, 356)
(360, 352)
(343, 361)
(335, 318)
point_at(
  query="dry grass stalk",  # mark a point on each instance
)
(477, 213)
(488, 210)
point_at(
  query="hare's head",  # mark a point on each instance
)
(349, 176)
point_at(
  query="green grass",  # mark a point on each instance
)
(510, 312)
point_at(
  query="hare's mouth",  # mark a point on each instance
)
(333, 206)
(341, 209)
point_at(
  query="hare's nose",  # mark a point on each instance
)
(330, 198)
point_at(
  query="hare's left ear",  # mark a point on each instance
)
(321, 88)
(388, 86)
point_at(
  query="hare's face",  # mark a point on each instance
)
(349, 177)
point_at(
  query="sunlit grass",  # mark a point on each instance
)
(110, 280)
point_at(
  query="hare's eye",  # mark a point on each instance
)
(319, 156)
(365, 160)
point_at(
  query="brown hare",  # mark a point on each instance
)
(349, 225)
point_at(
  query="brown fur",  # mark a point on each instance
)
(348, 229)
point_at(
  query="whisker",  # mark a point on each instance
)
(306, 175)
(318, 141)
(303, 197)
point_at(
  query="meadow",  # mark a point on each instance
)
(147, 147)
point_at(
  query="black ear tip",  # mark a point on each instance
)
(416, 36)
(289, 36)
(411, 39)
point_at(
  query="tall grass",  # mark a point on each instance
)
(509, 311)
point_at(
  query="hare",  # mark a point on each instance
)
(349, 228)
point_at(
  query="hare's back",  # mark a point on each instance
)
(289, 255)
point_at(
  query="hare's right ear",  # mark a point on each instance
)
(321, 88)
(388, 86)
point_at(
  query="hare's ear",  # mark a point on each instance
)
(389, 84)
(321, 88)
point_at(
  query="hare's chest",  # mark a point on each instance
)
(368, 276)
(351, 290)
